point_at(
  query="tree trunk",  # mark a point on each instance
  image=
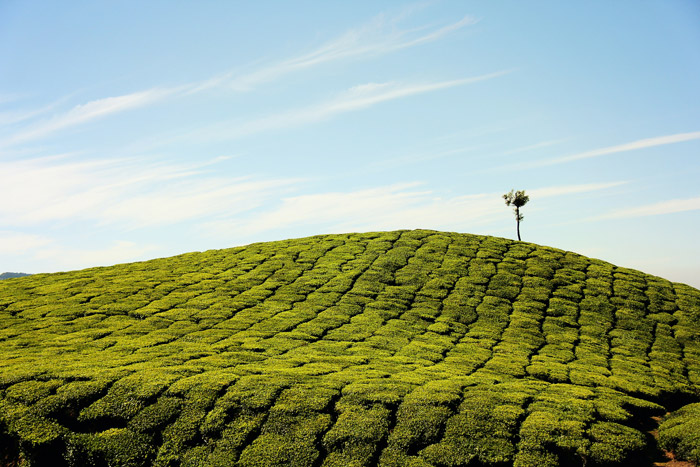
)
(517, 220)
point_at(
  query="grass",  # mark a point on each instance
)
(407, 348)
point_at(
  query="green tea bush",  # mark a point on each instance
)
(613, 443)
(356, 435)
(680, 432)
(113, 447)
(406, 348)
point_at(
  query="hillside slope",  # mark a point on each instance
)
(408, 348)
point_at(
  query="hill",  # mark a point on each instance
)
(407, 348)
(12, 275)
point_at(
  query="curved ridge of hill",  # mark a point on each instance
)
(408, 348)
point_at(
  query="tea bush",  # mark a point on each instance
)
(407, 348)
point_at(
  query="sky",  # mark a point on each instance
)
(133, 130)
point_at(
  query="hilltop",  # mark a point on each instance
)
(407, 348)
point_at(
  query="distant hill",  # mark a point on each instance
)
(407, 348)
(10, 275)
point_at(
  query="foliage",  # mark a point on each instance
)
(680, 432)
(407, 348)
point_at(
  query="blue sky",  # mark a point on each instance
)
(131, 130)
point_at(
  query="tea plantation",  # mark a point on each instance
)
(408, 348)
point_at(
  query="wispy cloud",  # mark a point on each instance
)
(531, 147)
(655, 209)
(126, 193)
(16, 243)
(632, 146)
(381, 208)
(121, 251)
(87, 112)
(13, 117)
(324, 209)
(190, 200)
(356, 98)
(378, 37)
(366, 95)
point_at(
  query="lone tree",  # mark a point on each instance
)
(517, 199)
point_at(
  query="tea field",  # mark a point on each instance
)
(407, 348)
